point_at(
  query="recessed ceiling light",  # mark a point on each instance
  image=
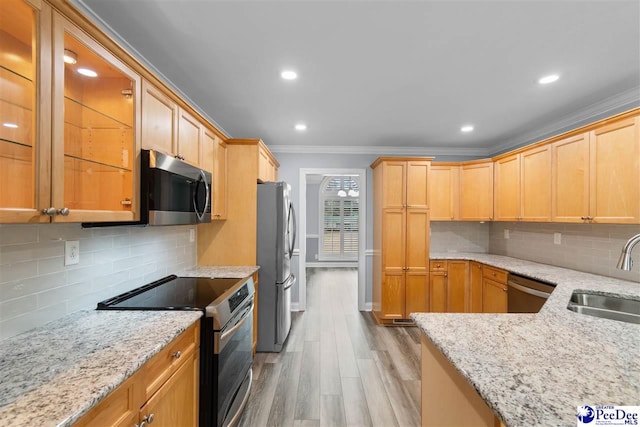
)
(289, 75)
(548, 79)
(87, 72)
(300, 127)
(466, 128)
(10, 125)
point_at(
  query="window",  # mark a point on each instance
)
(339, 218)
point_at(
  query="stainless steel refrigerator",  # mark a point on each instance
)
(276, 239)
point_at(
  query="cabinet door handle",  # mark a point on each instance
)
(177, 355)
(63, 211)
(49, 211)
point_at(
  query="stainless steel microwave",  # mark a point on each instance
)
(172, 192)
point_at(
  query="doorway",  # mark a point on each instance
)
(340, 225)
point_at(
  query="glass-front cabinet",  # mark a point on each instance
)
(69, 122)
(24, 141)
(96, 108)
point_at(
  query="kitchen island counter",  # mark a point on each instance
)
(536, 369)
(53, 374)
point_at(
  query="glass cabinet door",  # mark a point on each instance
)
(22, 138)
(95, 128)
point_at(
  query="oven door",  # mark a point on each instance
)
(232, 348)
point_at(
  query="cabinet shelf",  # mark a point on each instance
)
(15, 73)
(85, 117)
(96, 162)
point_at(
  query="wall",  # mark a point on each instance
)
(459, 237)
(313, 220)
(36, 287)
(593, 248)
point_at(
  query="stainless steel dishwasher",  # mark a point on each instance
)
(525, 295)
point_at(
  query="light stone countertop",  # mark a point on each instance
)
(226, 272)
(536, 369)
(52, 375)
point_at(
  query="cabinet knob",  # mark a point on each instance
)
(151, 417)
(63, 211)
(177, 354)
(142, 424)
(49, 211)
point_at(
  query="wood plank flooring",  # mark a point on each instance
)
(338, 367)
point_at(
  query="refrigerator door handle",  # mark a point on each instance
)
(289, 282)
(293, 230)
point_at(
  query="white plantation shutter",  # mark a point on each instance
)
(339, 219)
(350, 214)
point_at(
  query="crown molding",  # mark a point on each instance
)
(378, 151)
(610, 106)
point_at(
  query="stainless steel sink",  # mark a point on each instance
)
(605, 306)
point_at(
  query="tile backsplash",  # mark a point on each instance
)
(459, 237)
(36, 287)
(593, 248)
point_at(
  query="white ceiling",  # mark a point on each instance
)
(376, 74)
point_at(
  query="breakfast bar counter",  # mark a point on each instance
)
(536, 369)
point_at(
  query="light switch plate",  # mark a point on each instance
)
(71, 252)
(557, 238)
(506, 233)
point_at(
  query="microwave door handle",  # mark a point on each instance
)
(206, 199)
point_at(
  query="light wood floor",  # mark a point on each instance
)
(338, 367)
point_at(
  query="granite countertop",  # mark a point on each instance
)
(227, 272)
(536, 369)
(52, 375)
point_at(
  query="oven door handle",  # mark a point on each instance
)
(529, 291)
(237, 325)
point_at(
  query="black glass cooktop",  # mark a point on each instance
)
(172, 293)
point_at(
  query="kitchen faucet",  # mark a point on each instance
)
(625, 262)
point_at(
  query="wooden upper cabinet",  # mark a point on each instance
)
(570, 179)
(523, 185)
(219, 202)
(535, 184)
(476, 190)
(159, 120)
(444, 192)
(208, 154)
(25, 137)
(596, 175)
(95, 128)
(267, 165)
(507, 188)
(615, 172)
(189, 137)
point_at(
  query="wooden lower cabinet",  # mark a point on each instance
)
(176, 401)
(494, 297)
(438, 292)
(164, 391)
(447, 398)
(475, 287)
(448, 286)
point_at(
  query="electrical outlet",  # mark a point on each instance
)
(506, 233)
(71, 252)
(192, 235)
(557, 238)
